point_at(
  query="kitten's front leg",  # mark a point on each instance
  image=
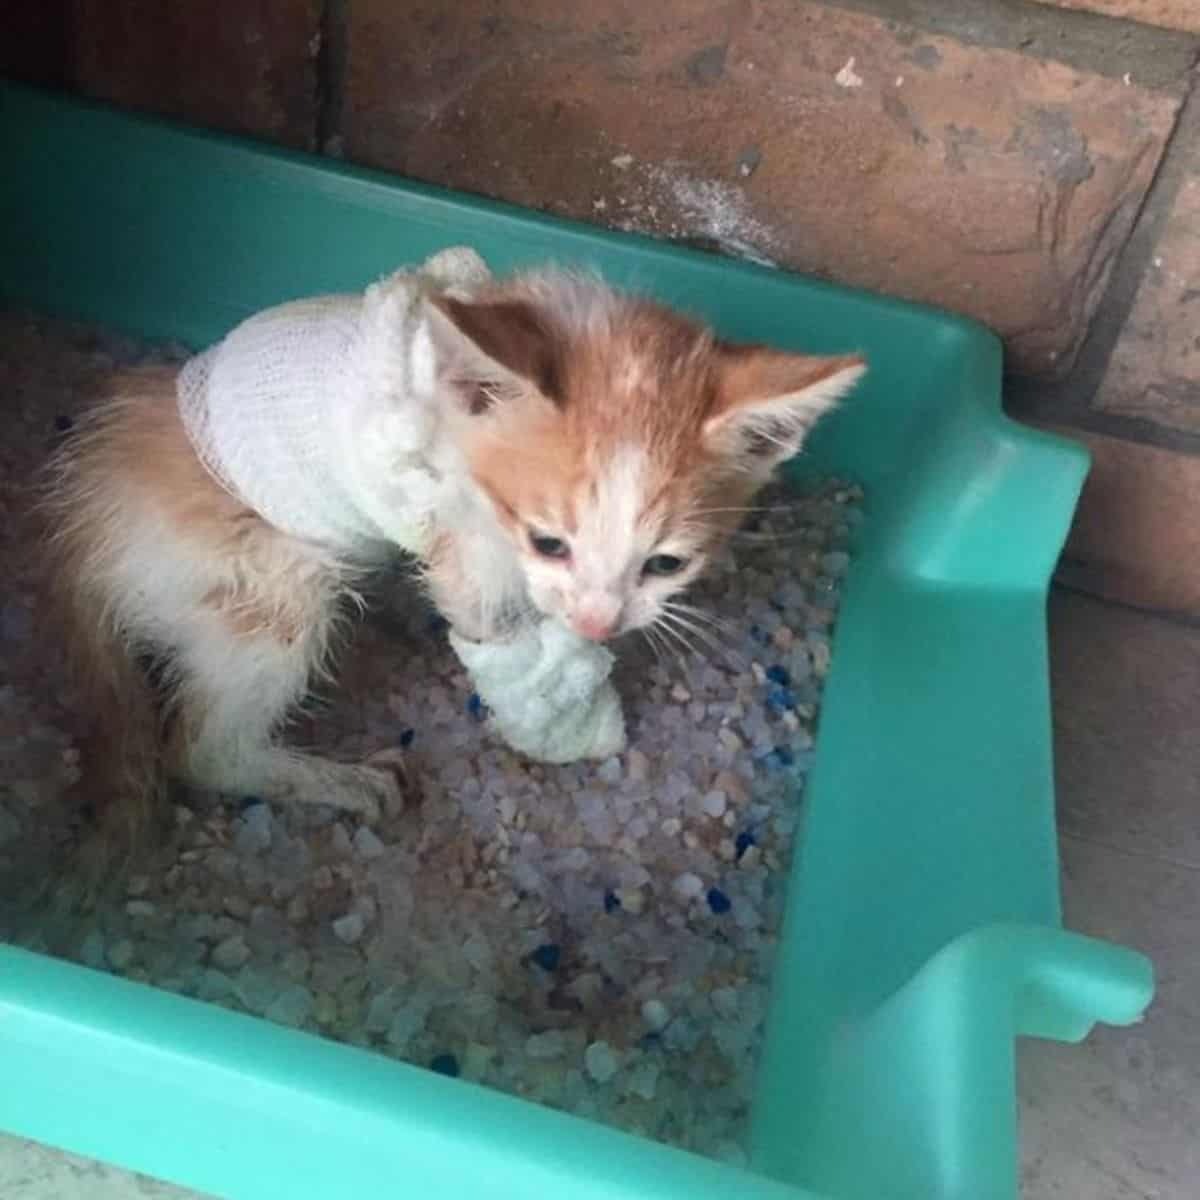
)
(261, 768)
(475, 588)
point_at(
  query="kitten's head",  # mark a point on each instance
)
(617, 442)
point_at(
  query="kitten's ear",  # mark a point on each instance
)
(493, 349)
(767, 401)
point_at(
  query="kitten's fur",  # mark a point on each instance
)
(617, 429)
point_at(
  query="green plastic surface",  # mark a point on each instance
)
(922, 933)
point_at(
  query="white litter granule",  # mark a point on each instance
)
(600, 1061)
(689, 885)
(349, 928)
(595, 936)
(656, 1015)
(367, 843)
(231, 953)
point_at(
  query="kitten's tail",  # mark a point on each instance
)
(121, 793)
(119, 796)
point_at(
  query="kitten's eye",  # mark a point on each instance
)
(549, 547)
(663, 564)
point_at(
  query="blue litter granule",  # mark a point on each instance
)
(780, 699)
(780, 675)
(779, 758)
(476, 707)
(743, 842)
(718, 901)
(547, 956)
(445, 1064)
(247, 802)
(406, 738)
(611, 902)
(759, 634)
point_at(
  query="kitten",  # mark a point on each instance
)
(594, 451)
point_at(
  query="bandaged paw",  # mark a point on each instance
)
(549, 692)
(322, 414)
(458, 269)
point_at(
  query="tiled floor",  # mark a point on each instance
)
(1119, 1117)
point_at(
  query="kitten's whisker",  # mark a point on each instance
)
(746, 508)
(714, 641)
(648, 633)
(754, 535)
(701, 617)
(675, 640)
(701, 614)
(696, 639)
(654, 637)
(708, 636)
(681, 648)
(692, 630)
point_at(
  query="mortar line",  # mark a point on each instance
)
(1070, 399)
(1143, 855)
(330, 73)
(1173, 617)
(1102, 45)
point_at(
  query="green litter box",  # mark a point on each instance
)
(923, 928)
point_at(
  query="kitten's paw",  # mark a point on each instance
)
(391, 782)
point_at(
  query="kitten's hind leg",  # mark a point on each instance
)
(235, 688)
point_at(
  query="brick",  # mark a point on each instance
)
(1168, 14)
(829, 141)
(1153, 372)
(244, 66)
(1133, 539)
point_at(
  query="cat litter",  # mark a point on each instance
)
(598, 937)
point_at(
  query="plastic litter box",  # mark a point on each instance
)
(923, 929)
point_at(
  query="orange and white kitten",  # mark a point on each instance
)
(594, 451)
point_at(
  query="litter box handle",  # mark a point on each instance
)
(928, 1075)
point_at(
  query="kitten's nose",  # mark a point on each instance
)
(594, 628)
(596, 621)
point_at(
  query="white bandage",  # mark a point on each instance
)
(549, 692)
(320, 414)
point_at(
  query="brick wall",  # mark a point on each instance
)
(1033, 163)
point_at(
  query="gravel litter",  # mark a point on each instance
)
(598, 937)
